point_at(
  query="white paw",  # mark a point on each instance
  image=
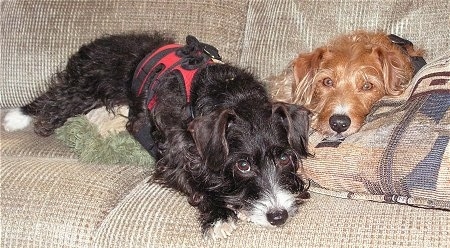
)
(16, 120)
(243, 215)
(221, 229)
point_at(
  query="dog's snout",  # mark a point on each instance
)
(277, 217)
(339, 123)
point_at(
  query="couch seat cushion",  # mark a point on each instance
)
(58, 202)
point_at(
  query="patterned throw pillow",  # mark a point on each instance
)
(402, 153)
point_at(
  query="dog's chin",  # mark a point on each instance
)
(330, 135)
(282, 203)
(337, 137)
(258, 212)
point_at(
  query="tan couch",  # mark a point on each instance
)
(50, 199)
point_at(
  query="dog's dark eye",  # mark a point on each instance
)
(327, 82)
(243, 166)
(284, 159)
(367, 86)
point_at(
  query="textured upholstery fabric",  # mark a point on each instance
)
(276, 31)
(61, 203)
(261, 35)
(58, 202)
(50, 199)
(157, 217)
(27, 143)
(33, 50)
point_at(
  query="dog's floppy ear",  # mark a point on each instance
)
(305, 67)
(209, 134)
(295, 120)
(396, 69)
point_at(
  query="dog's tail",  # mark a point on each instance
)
(16, 119)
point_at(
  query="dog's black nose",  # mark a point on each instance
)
(339, 123)
(277, 217)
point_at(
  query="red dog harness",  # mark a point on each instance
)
(157, 64)
(174, 59)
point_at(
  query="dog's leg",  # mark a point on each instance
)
(98, 74)
(221, 229)
(54, 107)
(217, 222)
(178, 169)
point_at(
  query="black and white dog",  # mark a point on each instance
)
(211, 126)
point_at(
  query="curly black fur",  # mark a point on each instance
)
(97, 75)
(239, 154)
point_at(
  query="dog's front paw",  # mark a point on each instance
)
(221, 229)
(243, 215)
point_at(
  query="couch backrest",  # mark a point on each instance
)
(277, 31)
(37, 37)
(262, 35)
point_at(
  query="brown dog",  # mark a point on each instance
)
(341, 81)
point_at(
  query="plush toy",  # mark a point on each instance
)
(101, 137)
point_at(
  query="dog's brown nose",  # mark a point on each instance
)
(277, 217)
(339, 123)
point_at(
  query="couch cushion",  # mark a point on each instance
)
(401, 154)
(36, 38)
(153, 216)
(278, 30)
(58, 202)
(26, 143)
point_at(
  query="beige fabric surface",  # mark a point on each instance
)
(276, 31)
(152, 216)
(36, 39)
(58, 202)
(26, 143)
(260, 35)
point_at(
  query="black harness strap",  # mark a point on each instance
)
(417, 61)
